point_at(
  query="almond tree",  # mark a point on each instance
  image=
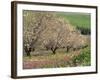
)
(34, 24)
(54, 35)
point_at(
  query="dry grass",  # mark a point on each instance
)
(50, 60)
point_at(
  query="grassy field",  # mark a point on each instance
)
(71, 59)
(77, 19)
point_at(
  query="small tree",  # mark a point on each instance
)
(76, 41)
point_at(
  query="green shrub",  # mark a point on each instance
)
(83, 59)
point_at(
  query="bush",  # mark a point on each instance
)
(83, 59)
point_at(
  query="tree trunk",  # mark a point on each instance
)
(28, 54)
(54, 50)
(68, 48)
(28, 50)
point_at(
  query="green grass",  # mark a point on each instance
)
(77, 19)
